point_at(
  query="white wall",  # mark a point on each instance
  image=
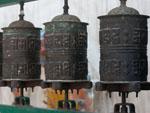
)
(87, 10)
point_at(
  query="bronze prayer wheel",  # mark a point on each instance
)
(66, 46)
(123, 43)
(21, 50)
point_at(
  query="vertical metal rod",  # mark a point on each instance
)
(124, 107)
(21, 16)
(123, 98)
(123, 2)
(66, 100)
(66, 7)
(66, 95)
(21, 95)
(21, 92)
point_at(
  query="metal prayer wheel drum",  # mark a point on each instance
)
(21, 48)
(123, 40)
(21, 45)
(66, 45)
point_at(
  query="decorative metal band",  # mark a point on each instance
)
(66, 71)
(67, 40)
(21, 71)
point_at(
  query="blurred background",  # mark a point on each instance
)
(43, 11)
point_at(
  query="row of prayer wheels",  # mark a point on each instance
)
(123, 42)
(66, 47)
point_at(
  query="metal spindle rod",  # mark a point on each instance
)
(123, 2)
(21, 16)
(66, 99)
(124, 107)
(21, 92)
(66, 7)
(21, 95)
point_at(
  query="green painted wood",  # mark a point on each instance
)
(13, 109)
(12, 2)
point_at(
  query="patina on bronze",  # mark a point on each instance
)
(66, 45)
(21, 47)
(123, 43)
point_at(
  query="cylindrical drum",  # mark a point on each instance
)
(66, 47)
(123, 42)
(21, 47)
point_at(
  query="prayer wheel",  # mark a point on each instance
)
(66, 47)
(21, 50)
(123, 45)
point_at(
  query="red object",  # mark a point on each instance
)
(43, 49)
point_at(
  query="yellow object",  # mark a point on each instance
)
(83, 101)
(53, 97)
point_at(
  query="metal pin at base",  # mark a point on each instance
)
(124, 107)
(66, 103)
(22, 100)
